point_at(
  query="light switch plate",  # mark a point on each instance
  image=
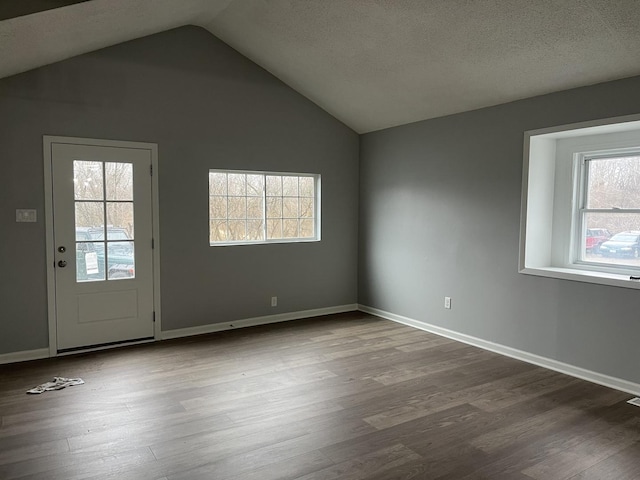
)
(26, 215)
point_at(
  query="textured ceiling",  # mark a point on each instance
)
(371, 63)
(11, 9)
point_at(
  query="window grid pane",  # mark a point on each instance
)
(251, 206)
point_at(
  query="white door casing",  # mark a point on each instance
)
(102, 290)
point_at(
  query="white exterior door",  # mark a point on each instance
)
(102, 219)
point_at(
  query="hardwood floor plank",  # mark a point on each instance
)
(538, 423)
(246, 460)
(288, 469)
(563, 436)
(435, 427)
(409, 408)
(537, 383)
(72, 466)
(287, 413)
(440, 463)
(366, 466)
(119, 437)
(347, 396)
(572, 461)
(36, 450)
(428, 343)
(621, 466)
(404, 372)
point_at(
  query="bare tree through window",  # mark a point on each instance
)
(248, 207)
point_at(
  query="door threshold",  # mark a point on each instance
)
(104, 346)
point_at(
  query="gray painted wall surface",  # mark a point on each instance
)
(207, 107)
(440, 216)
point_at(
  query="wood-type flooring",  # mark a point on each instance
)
(347, 396)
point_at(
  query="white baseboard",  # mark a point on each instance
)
(24, 355)
(551, 364)
(252, 322)
(40, 353)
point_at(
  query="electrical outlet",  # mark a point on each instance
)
(274, 301)
(447, 302)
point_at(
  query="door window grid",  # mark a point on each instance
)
(104, 190)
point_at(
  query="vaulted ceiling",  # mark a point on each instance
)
(371, 63)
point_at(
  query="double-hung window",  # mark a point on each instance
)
(581, 202)
(608, 216)
(248, 207)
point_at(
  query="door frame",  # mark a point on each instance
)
(47, 141)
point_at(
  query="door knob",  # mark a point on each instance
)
(62, 263)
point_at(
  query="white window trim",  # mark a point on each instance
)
(549, 201)
(266, 241)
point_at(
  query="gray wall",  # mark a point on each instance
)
(207, 107)
(440, 216)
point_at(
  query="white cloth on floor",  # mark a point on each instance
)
(57, 384)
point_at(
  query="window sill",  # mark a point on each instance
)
(265, 242)
(601, 278)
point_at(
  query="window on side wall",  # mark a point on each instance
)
(581, 203)
(247, 207)
(608, 214)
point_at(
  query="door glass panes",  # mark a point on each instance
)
(120, 220)
(119, 180)
(89, 216)
(121, 255)
(88, 180)
(104, 249)
(89, 264)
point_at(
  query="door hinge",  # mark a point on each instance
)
(154, 317)
(151, 170)
(153, 244)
